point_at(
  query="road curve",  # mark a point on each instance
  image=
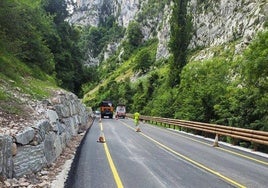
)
(158, 158)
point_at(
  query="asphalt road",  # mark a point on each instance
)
(157, 157)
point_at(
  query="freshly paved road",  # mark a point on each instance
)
(157, 157)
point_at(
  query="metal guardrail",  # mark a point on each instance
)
(260, 137)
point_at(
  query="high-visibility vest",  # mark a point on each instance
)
(137, 116)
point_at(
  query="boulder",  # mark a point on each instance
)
(26, 136)
(6, 162)
(29, 159)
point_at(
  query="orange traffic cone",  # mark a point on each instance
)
(101, 138)
(138, 128)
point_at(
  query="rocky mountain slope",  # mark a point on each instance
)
(215, 22)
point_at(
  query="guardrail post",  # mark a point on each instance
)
(216, 142)
(234, 141)
(255, 146)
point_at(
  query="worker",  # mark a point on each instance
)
(136, 120)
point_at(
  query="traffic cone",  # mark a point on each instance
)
(216, 142)
(101, 138)
(138, 128)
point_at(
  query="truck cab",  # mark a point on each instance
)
(106, 109)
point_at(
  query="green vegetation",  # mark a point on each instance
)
(38, 52)
(36, 36)
(151, 10)
(117, 85)
(180, 37)
(96, 38)
(134, 39)
(246, 100)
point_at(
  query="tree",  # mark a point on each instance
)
(179, 40)
(125, 92)
(254, 71)
(69, 59)
(202, 85)
(134, 34)
(56, 8)
(94, 40)
(162, 105)
(64, 45)
(254, 66)
(24, 29)
(152, 84)
(246, 102)
(139, 98)
(143, 61)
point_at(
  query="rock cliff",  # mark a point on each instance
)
(215, 22)
(219, 22)
(90, 12)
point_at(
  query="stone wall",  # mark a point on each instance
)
(38, 146)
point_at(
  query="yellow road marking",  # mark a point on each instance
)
(195, 163)
(111, 163)
(191, 161)
(101, 127)
(226, 150)
(113, 168)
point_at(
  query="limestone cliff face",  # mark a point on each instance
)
(215, 22)
(89, 12)
(224, 21)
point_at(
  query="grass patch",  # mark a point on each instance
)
(3, 95)
(38, 89)
(12, 108)
(11, 68)
(18, 81)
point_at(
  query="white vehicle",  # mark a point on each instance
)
(120, 111)
(97, 114)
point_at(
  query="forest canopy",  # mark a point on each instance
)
(36, 33)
